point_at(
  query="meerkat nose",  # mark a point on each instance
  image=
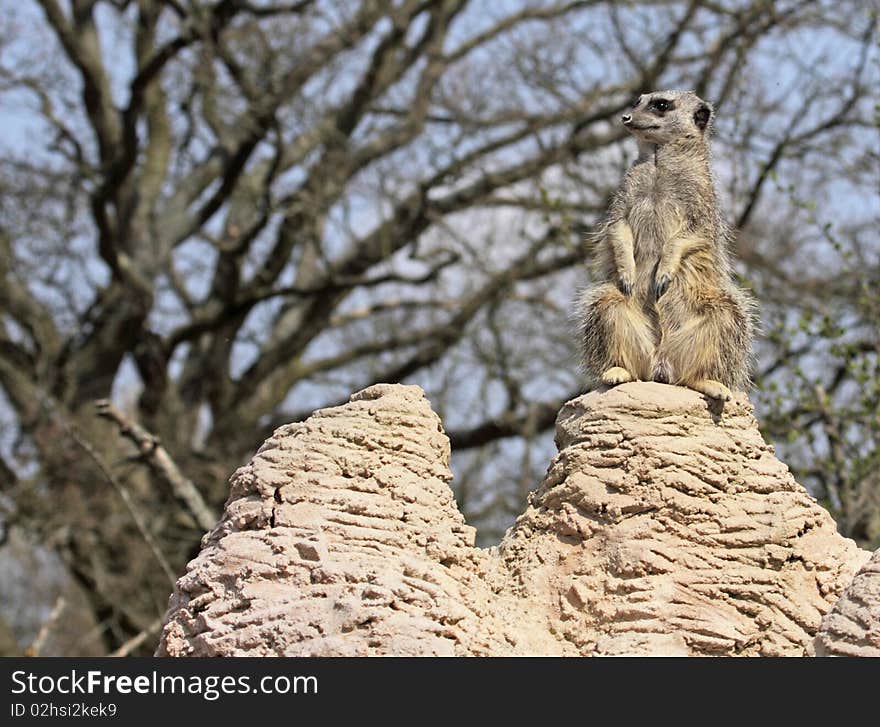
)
(626, 118)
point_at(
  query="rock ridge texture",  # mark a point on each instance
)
(664, 526)
(853, 626)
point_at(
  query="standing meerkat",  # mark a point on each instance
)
(666, 308)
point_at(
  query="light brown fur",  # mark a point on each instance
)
(665, 307)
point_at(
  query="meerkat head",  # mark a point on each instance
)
(667, 116)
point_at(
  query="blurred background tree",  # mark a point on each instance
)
(219, 216)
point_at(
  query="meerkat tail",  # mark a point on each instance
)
(712, 389)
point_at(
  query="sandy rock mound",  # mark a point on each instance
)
(853, 627)
(662, 527)
(667, 526)
(342, 538)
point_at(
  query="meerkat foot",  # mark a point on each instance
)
(616, 375)
(712, 389)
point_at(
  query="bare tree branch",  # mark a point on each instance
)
(158, 459)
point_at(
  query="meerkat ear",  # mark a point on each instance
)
(702, 116)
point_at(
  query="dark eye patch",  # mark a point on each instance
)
(662, 105)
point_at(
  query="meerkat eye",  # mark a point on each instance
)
(661, 105)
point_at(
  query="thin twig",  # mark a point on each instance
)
(136, 641)
(126, 498)
(40, 641)
(158, 460)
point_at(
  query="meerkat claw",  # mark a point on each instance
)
(616, 375)
(661, 285)
(626, 285)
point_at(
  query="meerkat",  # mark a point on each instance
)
(666, 308)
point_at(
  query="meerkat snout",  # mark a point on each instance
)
(626, 119)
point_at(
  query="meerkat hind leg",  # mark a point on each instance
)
(692, 355)
(617, 337)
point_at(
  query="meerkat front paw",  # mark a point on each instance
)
(662, 281)
(616, 375)
(626, 283)
(712, 389)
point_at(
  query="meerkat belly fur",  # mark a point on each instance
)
(666, 308)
